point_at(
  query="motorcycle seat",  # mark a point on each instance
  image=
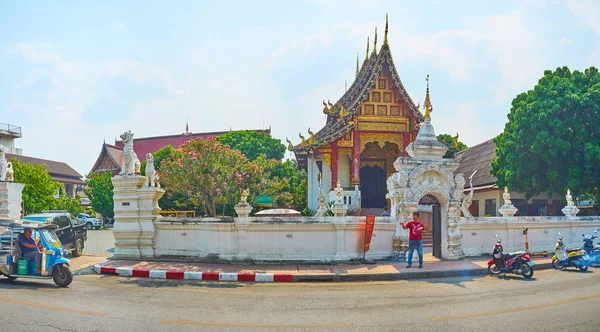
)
(574, 249)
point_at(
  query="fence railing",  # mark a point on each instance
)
(10, 128)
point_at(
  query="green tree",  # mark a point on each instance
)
(159, 156)
(552, 139)
(64, 202)
(453, 146)
(294, 193)
(99, 190)
(254, 143)
(39, 190)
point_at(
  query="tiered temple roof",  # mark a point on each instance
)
(341, 115)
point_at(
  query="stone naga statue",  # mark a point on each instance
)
(130, 164)
(151, 174)
(6, 170)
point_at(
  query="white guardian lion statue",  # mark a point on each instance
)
(130, 164)
(6, 170)
(151, 174)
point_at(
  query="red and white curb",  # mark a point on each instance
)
(183, 275)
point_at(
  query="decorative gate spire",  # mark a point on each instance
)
(367, 56)
(386, 30)
(428, 106)
(375, 43)
(356, 65)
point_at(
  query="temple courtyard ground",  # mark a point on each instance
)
(551, 301)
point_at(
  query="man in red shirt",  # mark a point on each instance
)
(415, 238)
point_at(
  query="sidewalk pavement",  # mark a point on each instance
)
(383, 270)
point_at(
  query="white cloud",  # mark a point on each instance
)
(565, 40)
(323, 37)
(587, 12)
(465, 118)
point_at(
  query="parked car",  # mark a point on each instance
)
(71, 233)
(89, 221)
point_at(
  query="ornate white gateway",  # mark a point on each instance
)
(424, 173)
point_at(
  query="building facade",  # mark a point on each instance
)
(366, 130)
(111, 155)
(59, 171)
(487, 196)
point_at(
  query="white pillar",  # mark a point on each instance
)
(10, 199)
(127, 228)
(148, 212)
(340, 224)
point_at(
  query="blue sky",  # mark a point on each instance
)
(73, 73)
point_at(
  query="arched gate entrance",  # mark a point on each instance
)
(432, 219)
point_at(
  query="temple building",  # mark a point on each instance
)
(110, 155)
(366, 130)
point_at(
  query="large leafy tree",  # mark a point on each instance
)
(159, 156)
(99, 190)
(254, 143)
(294, 191)
(212, 174)
(552, 139)
(454, 145)
(39, 190)
(64, 202)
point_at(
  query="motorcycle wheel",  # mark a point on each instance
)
(527, 271)
(584, 267)
(493, 270)
(556, 264)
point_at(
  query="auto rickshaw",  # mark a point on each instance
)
(14, 265)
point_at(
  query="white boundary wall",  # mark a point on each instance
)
(478, 233)
(262, 239)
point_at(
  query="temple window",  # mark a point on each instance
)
(490, 207)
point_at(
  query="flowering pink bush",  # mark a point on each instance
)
(211, 173)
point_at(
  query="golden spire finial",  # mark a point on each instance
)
(367, 56)
(375, 43)
(386, 30)
(428, 106)
(356, 65)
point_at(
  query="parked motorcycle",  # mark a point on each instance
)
(590, 249)
(564, 258)
(516, 262)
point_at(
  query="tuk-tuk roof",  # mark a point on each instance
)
(19, 223)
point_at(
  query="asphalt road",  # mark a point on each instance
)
(552, 301)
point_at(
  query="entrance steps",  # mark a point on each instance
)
(428, 239)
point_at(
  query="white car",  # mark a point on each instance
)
(89, 221)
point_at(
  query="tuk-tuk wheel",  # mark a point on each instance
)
(62, 275)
